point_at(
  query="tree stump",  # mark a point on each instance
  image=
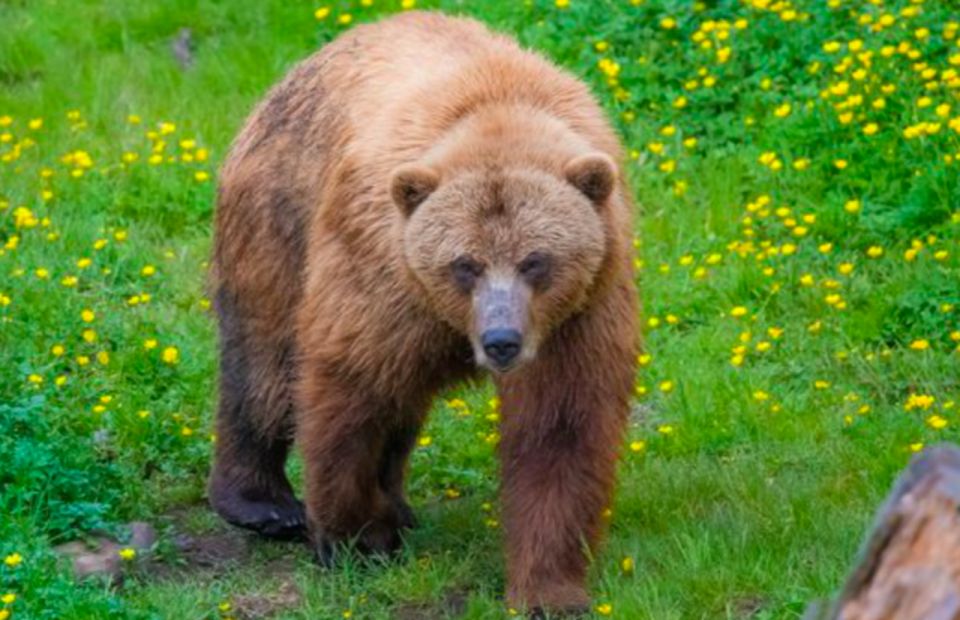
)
(909, 567)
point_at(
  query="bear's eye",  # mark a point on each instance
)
(465, 272)
(535, 268)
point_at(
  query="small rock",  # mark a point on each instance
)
(142, 535)
(182, 47)
(99, 559)
(105, 562)
(101, 556)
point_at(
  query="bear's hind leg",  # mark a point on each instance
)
(248, 486)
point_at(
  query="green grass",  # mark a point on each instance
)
(761, 443)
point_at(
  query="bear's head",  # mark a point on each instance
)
(505, 255)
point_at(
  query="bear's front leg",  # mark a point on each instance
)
(563, 423)
(342, 434)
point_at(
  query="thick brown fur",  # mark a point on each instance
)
(337, 324)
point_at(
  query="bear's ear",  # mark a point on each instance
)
(593, 174)
(411, 185)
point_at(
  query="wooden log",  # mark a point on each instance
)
(909, 566)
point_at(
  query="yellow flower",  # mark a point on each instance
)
(201, 176)
(782, 110)
(916, 447)
(936, 422)
(852, 206)
(738, 311)
(148, 271)
(919, 401)
(171, 355)
(13, 560)
(345, 19)
(88, 316)
(840, 164)
(8, 598)
(875, 251)
(605, 609)
(920, 345)
(668, 23)
(666, 386)
(626, 564)
(831, 46)
(425, 441)
(127, 553)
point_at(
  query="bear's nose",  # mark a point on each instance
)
(501, 345)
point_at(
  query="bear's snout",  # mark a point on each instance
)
(502, 346)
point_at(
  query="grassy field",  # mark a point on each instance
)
(798, 171)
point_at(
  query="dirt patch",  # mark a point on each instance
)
(452, 605)
(253, 606)
(748, 606)
(213, 550)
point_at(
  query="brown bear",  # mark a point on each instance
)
(421, 199)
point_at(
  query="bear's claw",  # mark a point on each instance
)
(282, 523)
(283, 519)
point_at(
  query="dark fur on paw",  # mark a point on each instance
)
(280, 518)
